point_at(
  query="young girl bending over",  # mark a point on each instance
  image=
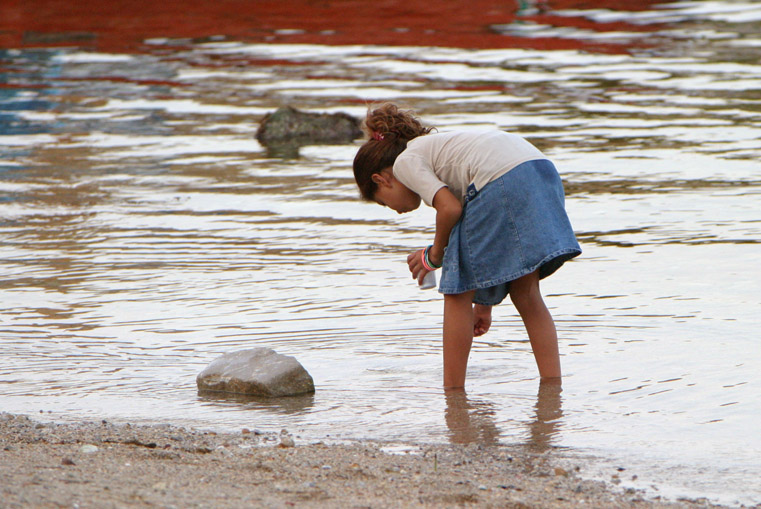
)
(501, 224)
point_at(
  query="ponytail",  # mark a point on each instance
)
(389, 119)
(389, 130)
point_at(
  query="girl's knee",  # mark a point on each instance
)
(524, 291)
(459, 304)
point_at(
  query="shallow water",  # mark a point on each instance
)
(145, 232)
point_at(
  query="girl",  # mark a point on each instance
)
(501, 224)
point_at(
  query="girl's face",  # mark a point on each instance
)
(393, 194)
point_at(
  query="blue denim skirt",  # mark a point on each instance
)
(512, 227)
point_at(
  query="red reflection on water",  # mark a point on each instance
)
(123, 26)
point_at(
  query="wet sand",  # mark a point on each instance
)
(106, 465)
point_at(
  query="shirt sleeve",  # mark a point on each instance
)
(418, 176)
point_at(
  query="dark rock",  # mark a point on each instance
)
(291, 127)
(256, 372)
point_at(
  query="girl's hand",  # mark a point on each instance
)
(481, 319)
(415, 263)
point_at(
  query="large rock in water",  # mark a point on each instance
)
(256, 372)
(288, 125)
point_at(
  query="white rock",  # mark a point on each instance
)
(256, 372)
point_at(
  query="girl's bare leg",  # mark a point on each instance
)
(458, 337)
(525, 294)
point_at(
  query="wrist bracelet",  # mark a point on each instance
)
(423, 257)
(427, 263)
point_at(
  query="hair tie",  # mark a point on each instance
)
(377, 136)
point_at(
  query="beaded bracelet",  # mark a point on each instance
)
(427, 263)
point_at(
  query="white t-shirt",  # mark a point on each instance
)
(459, 158)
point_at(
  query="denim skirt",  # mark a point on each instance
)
(513, 226)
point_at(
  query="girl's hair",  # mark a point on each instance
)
(389, 130)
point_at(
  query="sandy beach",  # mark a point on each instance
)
(99, 464)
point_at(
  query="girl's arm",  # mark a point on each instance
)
(448, 211)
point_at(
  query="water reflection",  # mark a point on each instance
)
(551, 24)
(548, 423)
(286, 405)
(470, 421)
(474, 420)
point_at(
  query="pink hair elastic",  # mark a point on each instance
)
(378, 136)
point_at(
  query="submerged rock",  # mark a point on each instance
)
(256, 372)
(288, 125)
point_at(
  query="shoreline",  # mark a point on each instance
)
(99, 464)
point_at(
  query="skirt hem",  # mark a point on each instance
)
(558, 257)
